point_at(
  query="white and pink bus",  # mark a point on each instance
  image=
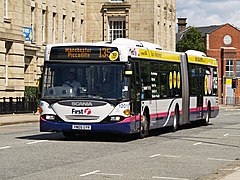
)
(125, 87)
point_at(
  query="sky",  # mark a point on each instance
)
(209, 12)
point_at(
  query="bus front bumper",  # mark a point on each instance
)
(117, 128)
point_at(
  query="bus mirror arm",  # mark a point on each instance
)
(40, 84)
(128, 69)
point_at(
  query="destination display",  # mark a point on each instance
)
(84, 53)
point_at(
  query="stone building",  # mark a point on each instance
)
(26, 26)
(153, 21)
(221, 42)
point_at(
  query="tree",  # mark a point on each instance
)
(191, 40)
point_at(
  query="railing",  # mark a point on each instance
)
(229, 100)
(17, 105)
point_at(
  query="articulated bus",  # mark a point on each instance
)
(125, 87)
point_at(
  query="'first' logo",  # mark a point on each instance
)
(87, 111)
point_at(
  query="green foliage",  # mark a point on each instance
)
(191, 40)
(31, 92)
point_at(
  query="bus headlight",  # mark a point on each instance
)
(115, 118)
(50, 117)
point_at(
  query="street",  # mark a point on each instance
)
(195, 152)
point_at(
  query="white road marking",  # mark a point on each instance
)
(231, 135)
(234, 135)
(155, 155)
(197, 143)
(108, 174)
(170, 178)
(235, 169)
(227, 114)
(87, 174)
(5, 147)
(35, 142)
(237, 113)
(215, 159)
(169, 156)
(205, 144)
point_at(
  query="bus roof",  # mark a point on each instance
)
(136, 49)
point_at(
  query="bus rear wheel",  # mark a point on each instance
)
(175, 120)
(207, 118)
(144, 129)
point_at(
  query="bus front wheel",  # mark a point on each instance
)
(144, 129)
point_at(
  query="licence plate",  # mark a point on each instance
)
(81, 127)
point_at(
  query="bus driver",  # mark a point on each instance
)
(72, 82)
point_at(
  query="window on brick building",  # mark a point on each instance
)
(229, 68)
(43, 25)
(117, 28)
(32, 22)
(238, 68)
(54, 27)
(63, 28)
(5, 8)
(73, 29)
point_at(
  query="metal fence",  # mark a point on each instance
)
(229, 100)
(17, 105)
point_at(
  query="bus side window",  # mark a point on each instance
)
(164, 80)
(146, 80)
(192, 79)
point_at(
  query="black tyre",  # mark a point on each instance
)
(144, 129)
(175, 120)
(207, 118)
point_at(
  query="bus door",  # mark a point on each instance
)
(136, 92)
(199, 91)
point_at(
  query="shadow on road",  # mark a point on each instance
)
(105, 137)
(96, 137)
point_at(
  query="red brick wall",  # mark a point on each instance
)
(216, 44)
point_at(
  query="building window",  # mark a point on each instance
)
(238, 68)
(117, 28)
(63, 28)
(43, 24)
(54, 28)
(8, 46)
(81, 30)
(73, 29)
(5, 8)
(229, 68)
(32, 21)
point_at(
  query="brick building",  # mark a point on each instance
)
(153, 21)
(25, 29)
(222, 42)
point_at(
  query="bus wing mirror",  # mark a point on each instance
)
(128, 70)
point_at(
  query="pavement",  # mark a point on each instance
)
(233, 176)
(10, 119)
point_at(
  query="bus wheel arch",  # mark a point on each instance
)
(176, 119)
(145, 123)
